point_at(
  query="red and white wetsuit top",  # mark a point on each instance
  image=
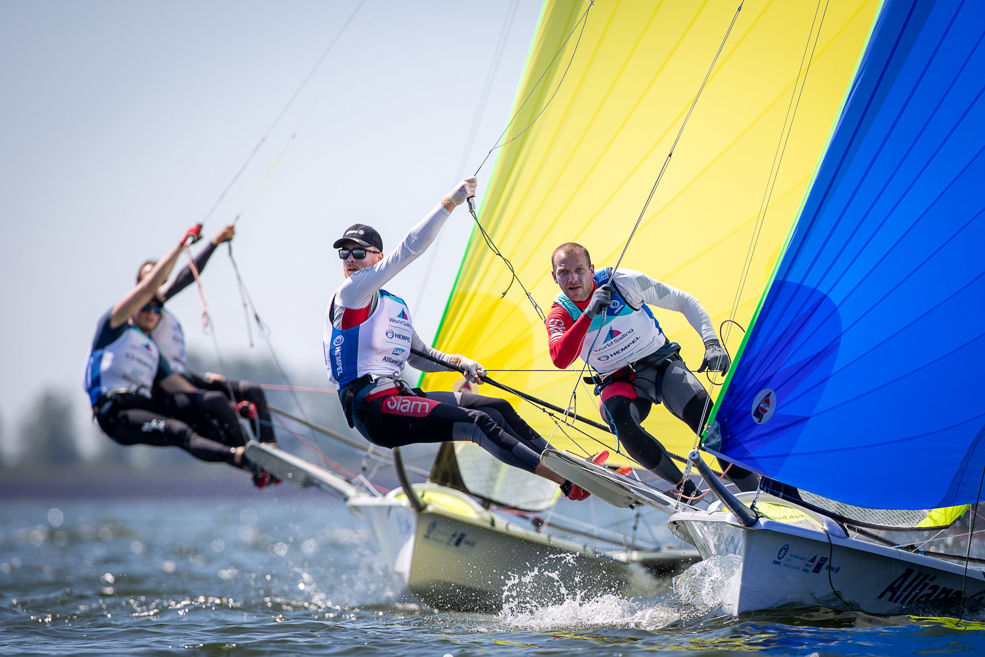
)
(627, 331)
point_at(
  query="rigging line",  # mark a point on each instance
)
(242, 295)
(320, 389)
(474, 128)
(509, 265)
(583, 21)
(283, 111)
(721, 331)
(971, 533)
(207, 324)
(551, 371)
(266, 176)
(264, 331)
(781, 148)
(488, 85)
(342, 438)
(677, 138)
(660, 175)
(348, 476)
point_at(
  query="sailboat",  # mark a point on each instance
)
(849, 395)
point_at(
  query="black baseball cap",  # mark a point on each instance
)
(360, 234)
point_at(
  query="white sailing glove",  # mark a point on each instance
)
(716, 360)
(600, 301)
(473, 371)
(465, 189)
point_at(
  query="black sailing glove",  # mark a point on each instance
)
(716, 360)
(600, 301)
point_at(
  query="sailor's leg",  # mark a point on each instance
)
(138, 421)
(400, 420)
(238, 391)
(626, 410)
(505, 416)
(209, 412)
(686, 398)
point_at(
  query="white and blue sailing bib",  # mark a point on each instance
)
(124, 359)
(170, 339)
(379, 346)
(619, 336)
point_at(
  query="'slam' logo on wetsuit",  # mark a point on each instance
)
(411, 406)
(763, 406)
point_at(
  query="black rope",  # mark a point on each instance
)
(509, 265)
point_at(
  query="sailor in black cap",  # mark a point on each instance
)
(368, 338)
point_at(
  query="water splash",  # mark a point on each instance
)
(579, 613)
(706, 586)
(559, 597)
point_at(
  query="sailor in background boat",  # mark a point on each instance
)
(136, 397)
(603, 318)
(169, 337)
(368, 337)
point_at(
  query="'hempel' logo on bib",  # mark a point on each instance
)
(763, 406)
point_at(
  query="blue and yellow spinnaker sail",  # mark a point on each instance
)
(583, 170)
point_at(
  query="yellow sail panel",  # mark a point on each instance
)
(583, 170)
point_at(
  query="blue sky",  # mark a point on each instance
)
(122, 123)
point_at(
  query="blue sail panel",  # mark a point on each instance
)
(857, 378)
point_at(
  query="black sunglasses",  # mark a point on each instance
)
(358, 253)
(151, 306)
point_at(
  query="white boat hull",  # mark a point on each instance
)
(457, 555)
(785, 565)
